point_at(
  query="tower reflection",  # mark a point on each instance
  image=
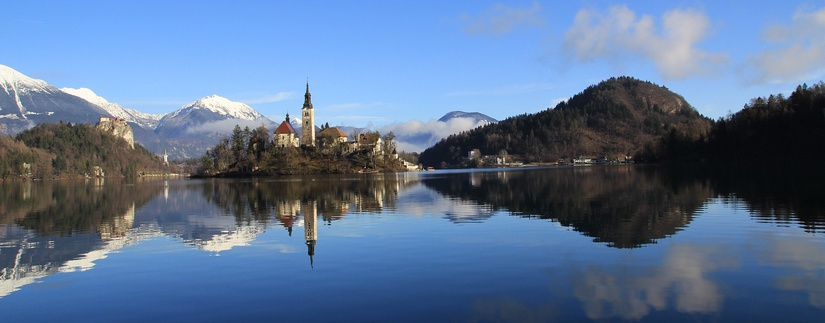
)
(310, 209)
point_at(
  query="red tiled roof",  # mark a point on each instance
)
(334, 132)
(285, 128)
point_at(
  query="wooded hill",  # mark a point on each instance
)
(618, 116)
(774, 129)
(73, 150)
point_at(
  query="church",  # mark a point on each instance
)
(285, 134)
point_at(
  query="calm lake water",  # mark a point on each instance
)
(610, 243)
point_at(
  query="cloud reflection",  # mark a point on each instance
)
(420, 200)
(804, 258)
(682, 280)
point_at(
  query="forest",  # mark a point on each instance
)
(775, 129)
(66, 150)
(768, 131)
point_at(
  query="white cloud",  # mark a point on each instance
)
(799, 53)
(502, 19)
(620, 34)
(415, 136)
(280, 96)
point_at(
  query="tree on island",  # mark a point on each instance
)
(250, 152)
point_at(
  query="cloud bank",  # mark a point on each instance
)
(620, 34)
(799, 52)
(415, 136)
(502, 19)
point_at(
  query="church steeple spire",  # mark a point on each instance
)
(308, 121)
(307, 98)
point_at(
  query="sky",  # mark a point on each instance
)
(375, 63)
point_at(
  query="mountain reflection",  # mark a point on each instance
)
(624, 206)
(47, 226)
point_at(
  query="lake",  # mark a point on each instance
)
(606, 243)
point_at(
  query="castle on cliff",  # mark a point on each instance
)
(117, 127)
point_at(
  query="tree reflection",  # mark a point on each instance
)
(335, 195)
(623, 206)
(48, 226)
(779, 195)
(66, 208)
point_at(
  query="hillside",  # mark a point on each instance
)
(618, 116)
(772, 130)
(67, 150)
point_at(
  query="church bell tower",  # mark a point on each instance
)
(308, 121)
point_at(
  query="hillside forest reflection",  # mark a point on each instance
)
(48, 227)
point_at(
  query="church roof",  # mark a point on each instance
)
(332, 132)
(285, 128)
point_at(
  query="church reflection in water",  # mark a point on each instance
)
(310, 228)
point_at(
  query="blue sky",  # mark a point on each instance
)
(373, 63)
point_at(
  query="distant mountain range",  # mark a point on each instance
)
(187, 132)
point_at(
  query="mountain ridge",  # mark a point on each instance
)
(26, 102)
(143, 119)
(477, 116)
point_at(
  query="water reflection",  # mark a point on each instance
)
(682, 279)
(50, 227)
(804, 263)
(47, 227)
(623, 206)
(782, 195)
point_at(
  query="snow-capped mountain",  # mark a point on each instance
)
(211, 114)
(187, 132)
(25, 102)
(145, 120)
(476, 116)
(198, 126)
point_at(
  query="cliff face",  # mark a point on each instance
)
(119, 128)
